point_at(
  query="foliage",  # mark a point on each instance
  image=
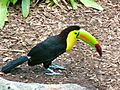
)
(4, 4)
(3, 11)
(52, 2)
(92, 3)
(25, 7)
(73, 3)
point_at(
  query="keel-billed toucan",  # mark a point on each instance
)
(46, 51)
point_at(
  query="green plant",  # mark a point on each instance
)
(4, 4)
(25, 7)
(91, 3)
(53, 2)
(3, 11)
(73, 3)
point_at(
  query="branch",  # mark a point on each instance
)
(12, 50)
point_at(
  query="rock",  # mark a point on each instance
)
(11, 85)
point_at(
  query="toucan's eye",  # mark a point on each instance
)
(75, 33)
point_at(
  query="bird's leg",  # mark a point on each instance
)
(55, 66)
(50, 72)
(49, 66)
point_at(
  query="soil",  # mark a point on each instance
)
(83, 66)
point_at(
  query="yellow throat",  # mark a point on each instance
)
(71, 39)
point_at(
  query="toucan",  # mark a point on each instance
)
(46, 51)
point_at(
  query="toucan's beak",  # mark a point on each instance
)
(91, 40)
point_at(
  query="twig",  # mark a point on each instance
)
(12, 50)
(35, 3)
(64, 2)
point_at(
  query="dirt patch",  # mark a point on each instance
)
(84, 67)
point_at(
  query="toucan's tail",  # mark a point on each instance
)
(12, 64)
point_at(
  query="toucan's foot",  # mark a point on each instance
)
(50, 72)
(55, 66)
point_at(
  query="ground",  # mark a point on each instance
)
(83, 65)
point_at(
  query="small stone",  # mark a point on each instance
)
(22, 28)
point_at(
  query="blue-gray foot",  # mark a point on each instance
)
(50, 72)
(55, 66)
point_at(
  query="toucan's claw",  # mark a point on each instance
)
(55, 66)
(50, 72)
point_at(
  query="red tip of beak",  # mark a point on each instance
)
(99, 49)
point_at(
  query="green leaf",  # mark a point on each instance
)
(56, 2)
(92, 3)
(25, 7)
(13, 1)
(3, 12)
(53, 2)
(73, 4)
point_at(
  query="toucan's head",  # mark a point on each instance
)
(73, 33)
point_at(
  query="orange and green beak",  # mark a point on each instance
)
(91, 40)
(74, 35)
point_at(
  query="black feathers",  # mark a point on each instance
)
(46, 51)
(66, 31)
